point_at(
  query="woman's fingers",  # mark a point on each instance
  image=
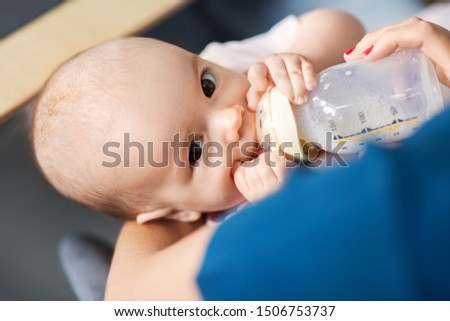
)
(433, 40)
(364, 45)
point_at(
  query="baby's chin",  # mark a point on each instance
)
(229, 204)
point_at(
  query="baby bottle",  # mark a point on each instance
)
(354, 103)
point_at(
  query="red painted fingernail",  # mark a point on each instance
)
(368, 50)
(350, 50)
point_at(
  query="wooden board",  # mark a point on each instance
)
(29, 55)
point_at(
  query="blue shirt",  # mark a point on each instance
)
(378, 230)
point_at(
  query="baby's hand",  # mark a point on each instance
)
(291, 73)
(261, 176)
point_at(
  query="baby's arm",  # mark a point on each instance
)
(324, 34)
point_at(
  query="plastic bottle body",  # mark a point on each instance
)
(382, 101)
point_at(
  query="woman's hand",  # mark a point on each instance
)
(290, 72)
(261, 176)
(433, 40)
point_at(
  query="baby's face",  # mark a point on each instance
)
(191, 118)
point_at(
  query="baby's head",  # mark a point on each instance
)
(136, 125)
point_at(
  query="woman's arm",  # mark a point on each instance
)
(157, 261)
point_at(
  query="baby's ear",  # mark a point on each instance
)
(185, 216)
(153, 215)
(168, 213)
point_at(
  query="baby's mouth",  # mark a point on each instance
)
(260, 150)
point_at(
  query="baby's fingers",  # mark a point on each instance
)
(279, 165)
(241, 182)
(309, 75)
(248, 182)
(253, 98)
(302, 75)
(258, 185)
(296, 76)
(258, 76)
(279, 74)
(261, 176)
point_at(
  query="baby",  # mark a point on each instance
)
(139, 128)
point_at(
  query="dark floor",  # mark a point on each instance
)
(33, 216)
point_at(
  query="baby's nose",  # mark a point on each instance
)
(229, 121)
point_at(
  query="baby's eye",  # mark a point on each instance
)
(195, 151)
(208, 82)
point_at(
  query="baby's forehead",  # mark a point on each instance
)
(111, 57)
(129, 85)
(128, 50)
(130, 61)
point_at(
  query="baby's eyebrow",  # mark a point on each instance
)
(194, 65)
